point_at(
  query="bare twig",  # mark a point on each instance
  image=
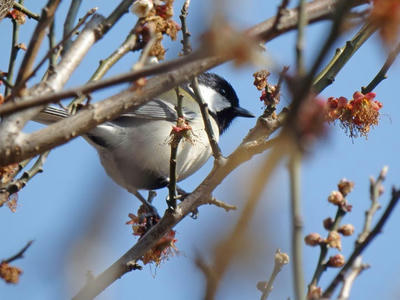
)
(17, 185)
(37, 38)
(219, 203)
(341, 57)
(175, 140)
(300, 39)
(69, 23)
(207, 121)
(19, 255)
(282, 8)
(52, 45)
(348, 282)
(280, 260)
(144, 56)
(185, 33)
(359, 248)
(5, 81)
(376, 190)
(382, 72)
(13, 55)
(297, 223)
(26, 11)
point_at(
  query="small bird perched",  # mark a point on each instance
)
(134, 149)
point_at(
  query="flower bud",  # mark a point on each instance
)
(281, 258)
(328, 223)
(334, 240)
(313, 239)
(346, 230)
(336, 261)
(141, 8)
(345, 186)
(336, 198)
(314, 292)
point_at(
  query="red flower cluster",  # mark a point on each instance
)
(164, 247)
(356, 115)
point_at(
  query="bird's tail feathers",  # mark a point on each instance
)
(51, 115)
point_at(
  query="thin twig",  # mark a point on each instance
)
(382, 72)
(348, 282)
(280, 260)
(207, 121)
(19, 255)
(341, 57)
(187, 48)
(219, 203)
(297, 223)
(17, 185)
(144, 56)
(376, 189)
(13, 55)
(52, 47)
(282, 8)
(175, 140)
(26, 11)
(37, 37)
(302, 23)
(4, 80)
(69, 23)
(359, 248)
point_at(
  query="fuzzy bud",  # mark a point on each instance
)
(346, 230)
(314, 292)
(336, 261)
(345, 186)
(328, 223)
(141, 8)
(313, 239)
(336, 198)
(334, 240)
(281, 258)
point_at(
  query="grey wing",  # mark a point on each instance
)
(155, 109)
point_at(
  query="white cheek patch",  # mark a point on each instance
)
(215, 101)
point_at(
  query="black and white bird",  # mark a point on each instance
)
(134, 149)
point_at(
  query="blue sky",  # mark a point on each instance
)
(77, 215)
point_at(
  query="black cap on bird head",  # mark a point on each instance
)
(226, 107)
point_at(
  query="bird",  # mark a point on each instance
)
(134, 148)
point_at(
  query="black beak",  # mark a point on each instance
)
(241, 112)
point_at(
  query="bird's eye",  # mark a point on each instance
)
(223, 92)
